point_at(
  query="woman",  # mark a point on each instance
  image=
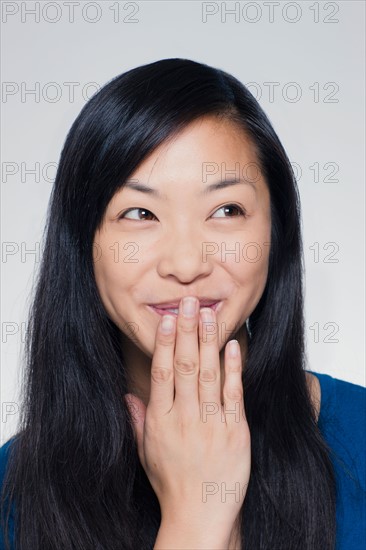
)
(135, 437)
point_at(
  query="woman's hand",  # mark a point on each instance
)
(194, 450)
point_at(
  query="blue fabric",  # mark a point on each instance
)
(4, 455)
(342, 421)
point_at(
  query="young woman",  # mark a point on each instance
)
(175, 200)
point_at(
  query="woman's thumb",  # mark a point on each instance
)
(137, 411)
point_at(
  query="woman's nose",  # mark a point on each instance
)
(185, 257)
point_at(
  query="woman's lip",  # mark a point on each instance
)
(167, 312)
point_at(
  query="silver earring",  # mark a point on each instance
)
(248, 328)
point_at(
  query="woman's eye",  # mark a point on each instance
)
(146, 213)
(123, 215)
(229, 207)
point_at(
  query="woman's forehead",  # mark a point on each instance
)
(201, 150)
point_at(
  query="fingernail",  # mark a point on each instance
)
(206, 314)
(189, 306)
(167, 324)
(233, 348)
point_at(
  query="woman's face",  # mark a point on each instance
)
(184, 237)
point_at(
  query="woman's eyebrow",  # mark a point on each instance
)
(143, 188)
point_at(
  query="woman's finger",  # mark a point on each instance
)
(162, 372)
(209, 375)
(233, 393)
(186, 358)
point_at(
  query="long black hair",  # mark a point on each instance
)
(74, 477)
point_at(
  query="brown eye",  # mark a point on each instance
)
(146, 213)
(230, 207)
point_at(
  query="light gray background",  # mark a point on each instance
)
(272, 49)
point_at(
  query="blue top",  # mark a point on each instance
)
(342, 421)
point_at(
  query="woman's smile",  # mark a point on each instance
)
(174, 311)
